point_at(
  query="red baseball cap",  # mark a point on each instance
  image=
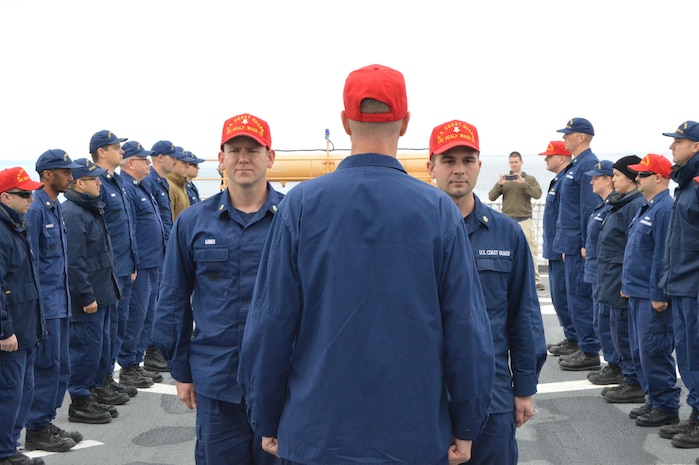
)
(654, 163)
(17, 178)
(452, 134)
(249, 126)
(556, 147)
(379, 83)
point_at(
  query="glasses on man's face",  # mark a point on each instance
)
(645, 174)
(23, 194)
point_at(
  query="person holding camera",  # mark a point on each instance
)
(518, 189)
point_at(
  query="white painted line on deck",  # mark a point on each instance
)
(566, 386)
(159, 388)
(84, 444)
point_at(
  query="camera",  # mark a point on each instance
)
(510, 177)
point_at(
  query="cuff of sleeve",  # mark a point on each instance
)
(525, 386)
(467, 426)
(180, 372)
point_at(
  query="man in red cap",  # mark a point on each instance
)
(367, 309)
(506, 272)
(210, 267)
(557, 161)
(21, 313)
(650, 316)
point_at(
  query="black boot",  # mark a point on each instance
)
(45, 439)
(131, 376)
(669, 431)
(74, 435)
(20, 459)
(105, 395)
(626, 393)
(154, 375)
(154, 360)
(608, 374)
(657, 418)
(84, 410)
(114, 386)
(688, 440)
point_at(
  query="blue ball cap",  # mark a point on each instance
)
(102, 138)
(602, 168)
(687, 130)
(163, 147)
(196, 159)
(580, 125)
(86, 168)
(134, 149)
(52, 159)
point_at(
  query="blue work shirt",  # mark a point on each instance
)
(367, 306)
(91, 268)
(553, 202)
(645, 249)
(577, 202)
(681, 263)
(610, 247)
(21, 308)
(120, 223)
(192, 192)
(208, 277)
(506, 271)
(594, 224)
(48, 235)
(150, 237)
(160, 190)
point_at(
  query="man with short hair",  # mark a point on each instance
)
(150, 245)
(106, 151)
(557, 161)
(210, 267)
(179, 199)
(192, 173)
(506, 273)
(21, 313)
(680, 277)
(94, 293)
(367, 338)
(518, 189)
(650, 316)
(577, 202)
(52, 362)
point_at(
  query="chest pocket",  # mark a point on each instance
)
(51, 243)
(499, 264)
(212, 262)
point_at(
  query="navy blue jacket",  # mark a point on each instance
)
(120, 223)
(577, 202)
(553, 201)
(611, 245)
(192, 192)
(160, 190)
(393, 327)
(506, 271)
(594, 224)
(208, 277)
(91, 268)
(21, 310)
(48, 235)
(150, 236)
(645, 249)
(681, 264)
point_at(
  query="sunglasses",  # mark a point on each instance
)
(645, 174)
(23, 194)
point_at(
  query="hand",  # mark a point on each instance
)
(270, 445)
(133, 276)
(92, 308)
(524, 410)
(459, 452)
(583, 252)
(185, 392)
(659, 306)
(10, 344)
(622, 295)
(502, 180)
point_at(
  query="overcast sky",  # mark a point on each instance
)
(518, 70)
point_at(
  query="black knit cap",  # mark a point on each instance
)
(623, 163)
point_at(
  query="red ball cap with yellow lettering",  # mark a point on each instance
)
(654, 163)
(453, 134)
(249, 126)
(556, 147)
(17, 178)
(380, 83)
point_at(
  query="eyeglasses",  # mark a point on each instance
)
(89, 178)
(645, 174)
(23, 194)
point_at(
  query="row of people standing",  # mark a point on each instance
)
(86, 257)
(631, 289)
